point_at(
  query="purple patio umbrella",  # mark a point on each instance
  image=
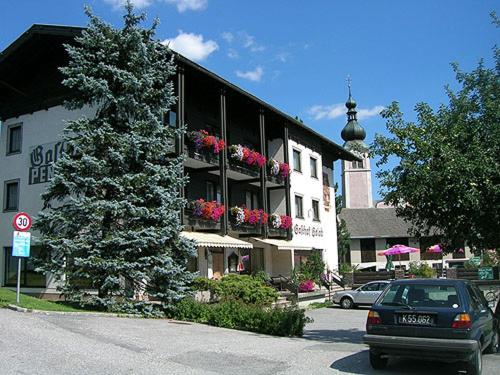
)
(437, 249)
(398, 250)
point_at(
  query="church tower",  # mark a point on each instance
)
(356, 175)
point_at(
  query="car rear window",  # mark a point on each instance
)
(421, 295)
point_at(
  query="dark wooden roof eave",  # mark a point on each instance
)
(334, 149)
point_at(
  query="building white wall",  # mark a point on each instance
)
(38, 128)
(323, 234)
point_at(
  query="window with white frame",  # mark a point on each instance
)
(315, 209)
(14, 139)
(296, 161)
(11, 195)
(299, 210)
(313, 162)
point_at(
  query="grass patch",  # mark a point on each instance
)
(319, 305)
(8, 297)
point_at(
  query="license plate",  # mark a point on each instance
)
(416, 319)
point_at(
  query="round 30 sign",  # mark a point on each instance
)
(22, 222)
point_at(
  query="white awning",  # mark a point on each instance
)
(281, 244)
(216, 240)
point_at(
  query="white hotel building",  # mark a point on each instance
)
(33, 117)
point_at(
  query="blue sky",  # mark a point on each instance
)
(297, 56)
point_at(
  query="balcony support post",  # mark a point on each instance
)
(223, 162)
(180, 123)
(263, 170)
(287, 180)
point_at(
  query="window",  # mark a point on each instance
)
(296, 161)
(370, 287)
(29, 278)
(171, 119)
(213, 192)
(298, 207)
(419, 295)
(357, 164)
(11, 195)
(367, 247)
(314, 169)
(14, 139)
(315, 208)
(251, 200)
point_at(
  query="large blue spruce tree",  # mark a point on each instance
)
(111, 219)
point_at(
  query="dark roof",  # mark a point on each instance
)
(35, 31)
(374, 223)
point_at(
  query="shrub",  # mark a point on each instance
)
(470, 265)
(313, 267)
(202, 284)
(244, 288)
(248, 317)
(347, 268)
(422, 270)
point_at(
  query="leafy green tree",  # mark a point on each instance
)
(343, 235)
(112, 221)
(448, 178)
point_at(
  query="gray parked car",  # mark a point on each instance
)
(363, 296)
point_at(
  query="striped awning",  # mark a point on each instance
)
(281, 244)
(216, 240)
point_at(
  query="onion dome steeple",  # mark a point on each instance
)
(353, 134)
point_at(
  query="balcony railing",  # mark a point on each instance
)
(277, 232)
(201, 155)
(199, 223)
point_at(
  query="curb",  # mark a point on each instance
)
(74, 313)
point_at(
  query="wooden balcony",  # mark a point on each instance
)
(203, 157)
(200, 224)
(245, 229)
(243, 168)
(277, 232)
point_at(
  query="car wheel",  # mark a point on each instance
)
(346, 303)
(493, 347)
(475, 364)
(377, 361)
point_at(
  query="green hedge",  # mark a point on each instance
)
(238, 315)
(243, 288)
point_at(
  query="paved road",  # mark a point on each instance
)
(67, 344)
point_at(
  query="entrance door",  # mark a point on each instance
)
(218, 265)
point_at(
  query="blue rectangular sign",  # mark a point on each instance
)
(21, 244)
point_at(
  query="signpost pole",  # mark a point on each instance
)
(18, 280)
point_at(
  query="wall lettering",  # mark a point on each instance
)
(307, 230)
(42, 159)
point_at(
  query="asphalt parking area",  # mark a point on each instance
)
(344, 329)
(67, 344)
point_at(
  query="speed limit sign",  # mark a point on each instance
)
(22, 222)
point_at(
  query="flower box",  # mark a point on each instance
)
(277, 169)
(245, 156)
(204, 147)
(208, 210)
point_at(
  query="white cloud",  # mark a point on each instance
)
(282, 56)
(228, 36)
(192, 46)
(118, 4)
(232, 53)
(183, 5)
(370, 112)
(330, 112)
(250, 43)
(252, 75)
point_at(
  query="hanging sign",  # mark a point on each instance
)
(22, 222)
(21, 242)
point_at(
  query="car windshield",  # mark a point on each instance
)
(421, 295)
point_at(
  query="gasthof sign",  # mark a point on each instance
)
(21, 242)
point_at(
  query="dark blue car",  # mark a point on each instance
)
(435, 319)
